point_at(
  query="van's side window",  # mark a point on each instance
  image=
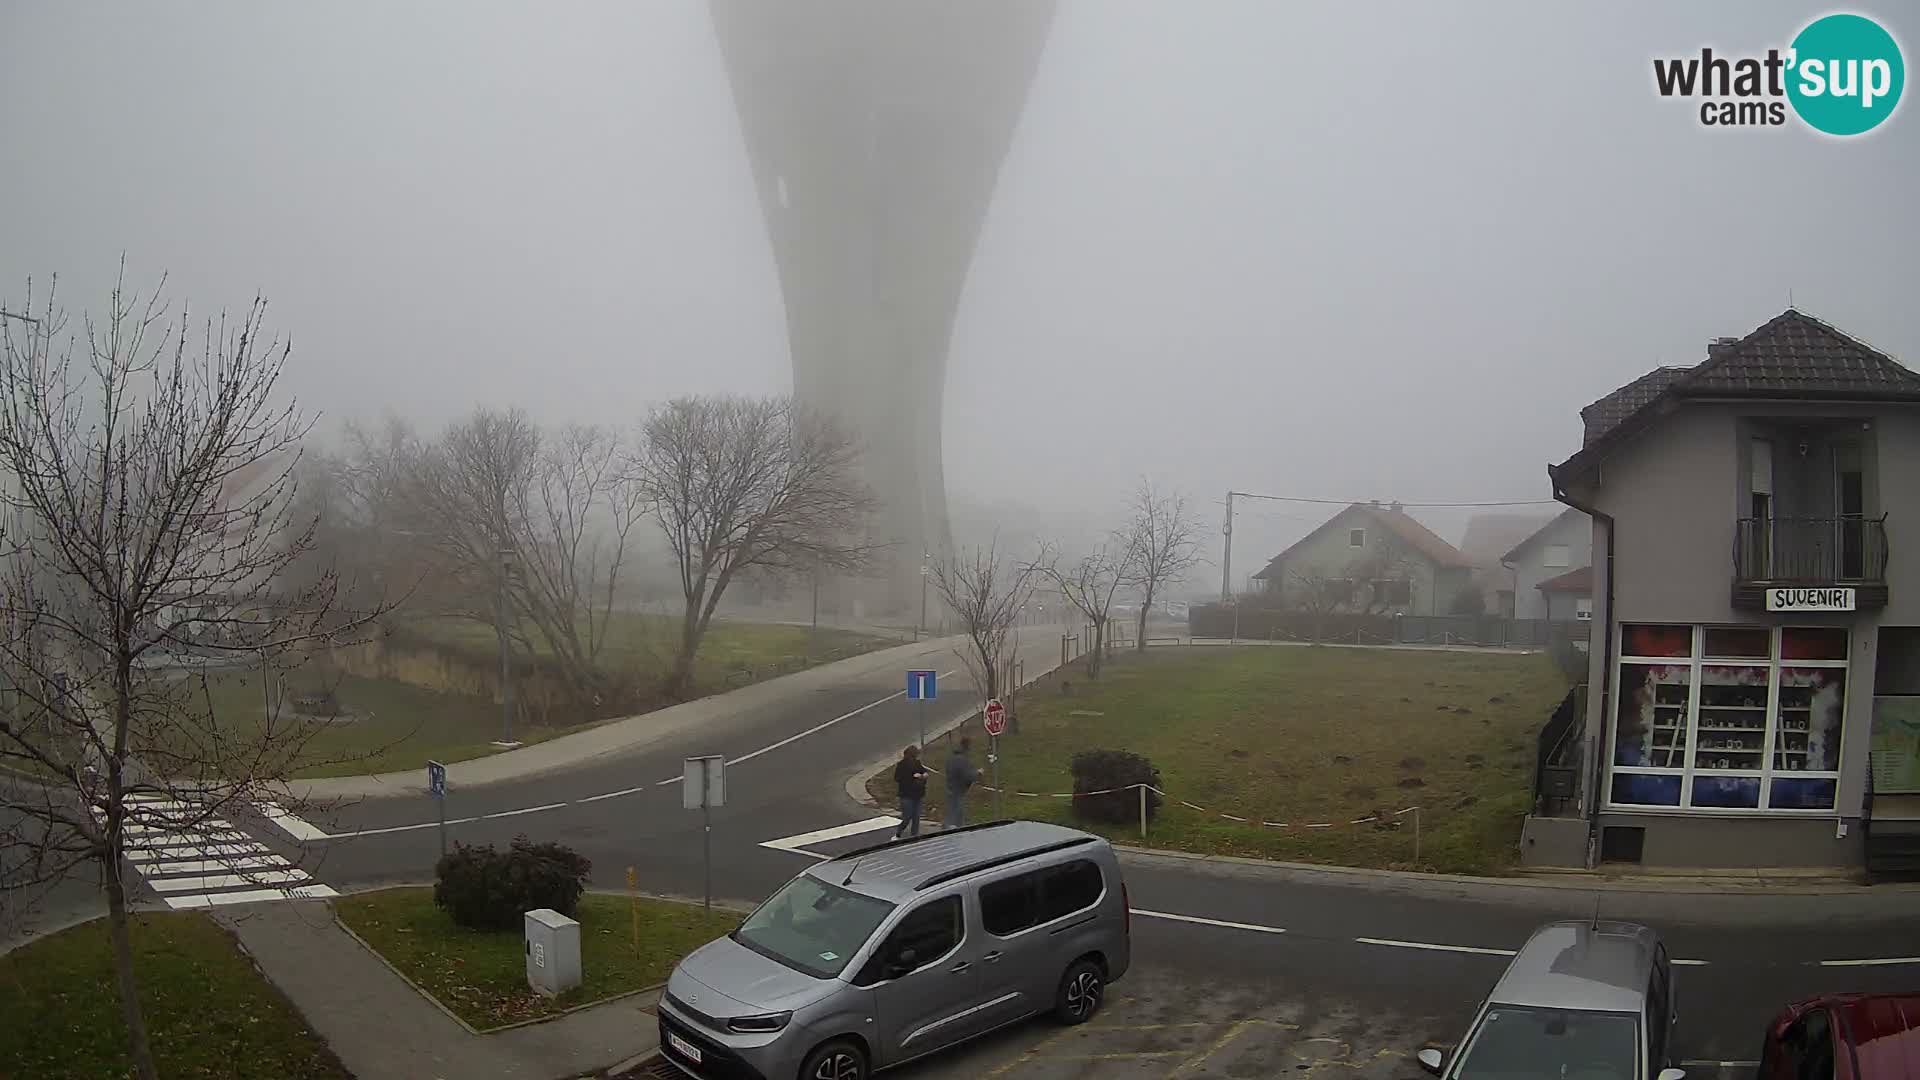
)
(1066, 889)
(1039, 896)
(1010, 905)
(931, 930)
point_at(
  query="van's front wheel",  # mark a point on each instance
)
(1081, 990)
(836, 1060)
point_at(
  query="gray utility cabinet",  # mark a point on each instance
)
(553, 952)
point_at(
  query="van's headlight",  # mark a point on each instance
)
(759, 1025)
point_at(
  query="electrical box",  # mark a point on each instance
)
(553, 952)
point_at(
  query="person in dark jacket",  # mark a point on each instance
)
(961, 775)
(910, 776)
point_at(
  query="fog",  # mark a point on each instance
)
(1334, 251)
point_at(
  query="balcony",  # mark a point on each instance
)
(1810, 553)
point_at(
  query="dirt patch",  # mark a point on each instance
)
(1411, 782)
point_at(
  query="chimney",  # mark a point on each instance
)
(1720, 346)
(1396, 508)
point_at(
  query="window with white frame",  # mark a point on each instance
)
(1583, 608)
(1727, 718)
(1356, 538)
(1558, 557)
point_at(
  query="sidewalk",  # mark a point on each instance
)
(383, 1029)
(635, 732)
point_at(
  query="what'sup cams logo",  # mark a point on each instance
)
(1842, 75)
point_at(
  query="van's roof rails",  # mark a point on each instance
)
(907, 840)
(1002, 860)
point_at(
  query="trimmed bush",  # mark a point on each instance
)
(1112, 773)
(486, 889)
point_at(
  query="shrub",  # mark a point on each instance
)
(486, 889)
(1113, 772)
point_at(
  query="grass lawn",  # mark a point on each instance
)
(1295, 735)
(482, 976)
(210, 1014)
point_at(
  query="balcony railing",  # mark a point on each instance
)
(1810, 550)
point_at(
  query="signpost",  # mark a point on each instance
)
(437, 788)
(922, 687)
(994, 719)
(704, 786)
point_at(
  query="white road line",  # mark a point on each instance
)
(1431, 947)
(828, 724)
(1698, 1064)
(821, 836)
(1877, 961)
(523, 810)
(252, 896)
(225, 881)
(295, 826)
(207, 866)
(1689, 963)
(398, 828)
(214, 852)
(1198, 921)
(615, 794)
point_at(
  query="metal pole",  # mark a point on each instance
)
(923, 598)
(993, 759)
(706, 839)
(506, 661)
(441, 806)
(921, 711)
(1143, 810)
(1226, 554)
(1416, 834)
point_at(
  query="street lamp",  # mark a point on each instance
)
(506, 657)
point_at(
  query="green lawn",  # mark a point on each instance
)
(1296, 735)
(482, 976)
(209, 1013)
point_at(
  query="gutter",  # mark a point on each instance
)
(1606, 664)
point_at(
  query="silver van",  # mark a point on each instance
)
(887, 954)
(1587, 1000)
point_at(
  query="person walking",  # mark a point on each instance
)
(961, 775)
(910, 776)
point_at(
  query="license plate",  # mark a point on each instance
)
(684, 1048)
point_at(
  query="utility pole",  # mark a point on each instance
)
(1226, 555)
(506, 654)
(924, 559)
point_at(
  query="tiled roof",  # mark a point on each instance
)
(1791, 356)
(1573, 581)
(1606, 414)
(1415, 535)
(1489, 536)
(1536, 534)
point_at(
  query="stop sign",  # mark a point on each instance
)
(996, 717)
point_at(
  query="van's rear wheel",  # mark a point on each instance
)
(1081, 990)
(836, 1060)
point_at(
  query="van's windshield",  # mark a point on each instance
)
(812, 926)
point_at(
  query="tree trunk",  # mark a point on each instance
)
(122, 942)
(1140, 645)
(679, 685)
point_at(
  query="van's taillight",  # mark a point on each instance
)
(1127, 903)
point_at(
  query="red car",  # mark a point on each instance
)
(1845, 1037)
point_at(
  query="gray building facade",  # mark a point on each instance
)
(1562, 545)
(1754, 620)
(1370, 558)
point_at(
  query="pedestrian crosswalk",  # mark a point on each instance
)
(195, 862)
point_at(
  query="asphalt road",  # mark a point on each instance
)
(1256, 966)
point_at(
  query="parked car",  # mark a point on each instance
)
(1845, 1037)
(1580, 1001)
(894, 952)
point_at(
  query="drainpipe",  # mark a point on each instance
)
(1595, 769)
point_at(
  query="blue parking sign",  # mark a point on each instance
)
(436, 780)
(920, 686)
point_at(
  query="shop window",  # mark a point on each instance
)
(1738, 642)
(1732, 729)
(1650, 722)
(1644, 639)
(1646, 789)
(1811, 710)
(1726, 792)
(1801, 793)
(1813, 643)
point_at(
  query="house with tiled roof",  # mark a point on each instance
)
(1369, 558)
(1755, 595)
(1488, 537)
(1552, 553)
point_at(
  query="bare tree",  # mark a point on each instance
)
(986, 594)
(153, 480)
(742, 484)
(1386, 569)
(1166, 544)
(1089, 584)
(1317, 593)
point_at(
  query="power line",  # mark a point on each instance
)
(1403, 505)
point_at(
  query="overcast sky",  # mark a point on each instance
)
(1335, 250)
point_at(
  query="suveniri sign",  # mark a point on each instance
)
(1836, 599)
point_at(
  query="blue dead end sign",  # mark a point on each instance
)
(920, 686)
(436, 780)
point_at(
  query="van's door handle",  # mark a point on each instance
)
(992, 956)
(961, 966)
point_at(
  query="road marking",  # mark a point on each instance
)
(263, 861)
(146, 854)
(615, 794)
(828, 724)
(1431, 947)
(1198, 921)
(523, 810)
(203, 882)
(295, 827)
(1689, 963)
(1701, 1064)
(252, 896)
(1877, 961)
(397, 828)
(821, 836)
